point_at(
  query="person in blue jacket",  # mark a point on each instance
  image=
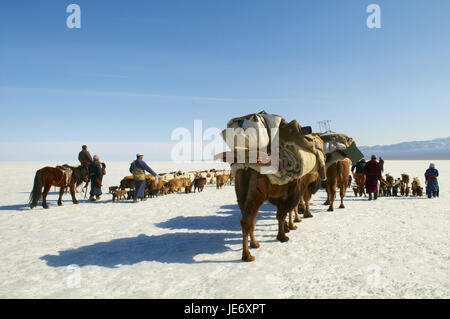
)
(359, 167)
(138, 169)
(431, 181)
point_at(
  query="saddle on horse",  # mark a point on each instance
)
(66, 174)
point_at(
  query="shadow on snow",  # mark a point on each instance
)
(178, 247)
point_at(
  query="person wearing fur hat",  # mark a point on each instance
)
(431, 181)
(84, 157)
(96, 177)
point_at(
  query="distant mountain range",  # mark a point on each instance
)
(438, 148)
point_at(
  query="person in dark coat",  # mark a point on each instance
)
(431, 181)
(359, 167)
(84, 156)
(95, 177)
(138, 168)
(381, 161)
(373, 174)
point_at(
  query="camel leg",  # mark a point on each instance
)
(61, 192)
(291, 222)
(44, 196)
(307, 212)
(297, 215)
(281, 216)
(249, 214)
(331, 197)
(342, 194)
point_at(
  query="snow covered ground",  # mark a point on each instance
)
(189, 245)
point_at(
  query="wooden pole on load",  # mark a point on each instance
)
(325, 127)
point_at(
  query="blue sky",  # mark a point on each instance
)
(136, 70)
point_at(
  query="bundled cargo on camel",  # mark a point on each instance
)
(271, 146)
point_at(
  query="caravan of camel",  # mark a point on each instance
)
(305, 162)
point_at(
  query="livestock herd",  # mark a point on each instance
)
(390, 186)
(171, 183)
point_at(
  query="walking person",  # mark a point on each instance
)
(381, 161)
(96, 178)
(138, 168)
(431, 181)
(372, 170)
(358, 168)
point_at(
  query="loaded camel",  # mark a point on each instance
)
(253, 189)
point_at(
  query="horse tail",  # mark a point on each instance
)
(36, 192)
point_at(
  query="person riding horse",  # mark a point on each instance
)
(84, 156)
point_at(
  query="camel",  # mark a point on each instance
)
(337, 176)
(253, 189)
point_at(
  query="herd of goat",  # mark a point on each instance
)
(389, 186)
(169, 183)
(175, 182)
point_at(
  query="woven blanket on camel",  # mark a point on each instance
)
(299, 153)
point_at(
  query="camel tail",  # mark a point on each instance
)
(36, 192)
(342, 173)
(314, 186)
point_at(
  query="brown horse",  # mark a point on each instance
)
(337, 176)
(308, 185)
(252, 190)
(60, 176)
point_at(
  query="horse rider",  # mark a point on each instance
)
(431, 181)
(84, 156)
(96, 177)
(138, 168)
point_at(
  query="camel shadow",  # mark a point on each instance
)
(166, 248)
(177, 247)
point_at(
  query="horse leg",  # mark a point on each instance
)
(61, 192)
(44, 195)
(281, 216)
(72, 193)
